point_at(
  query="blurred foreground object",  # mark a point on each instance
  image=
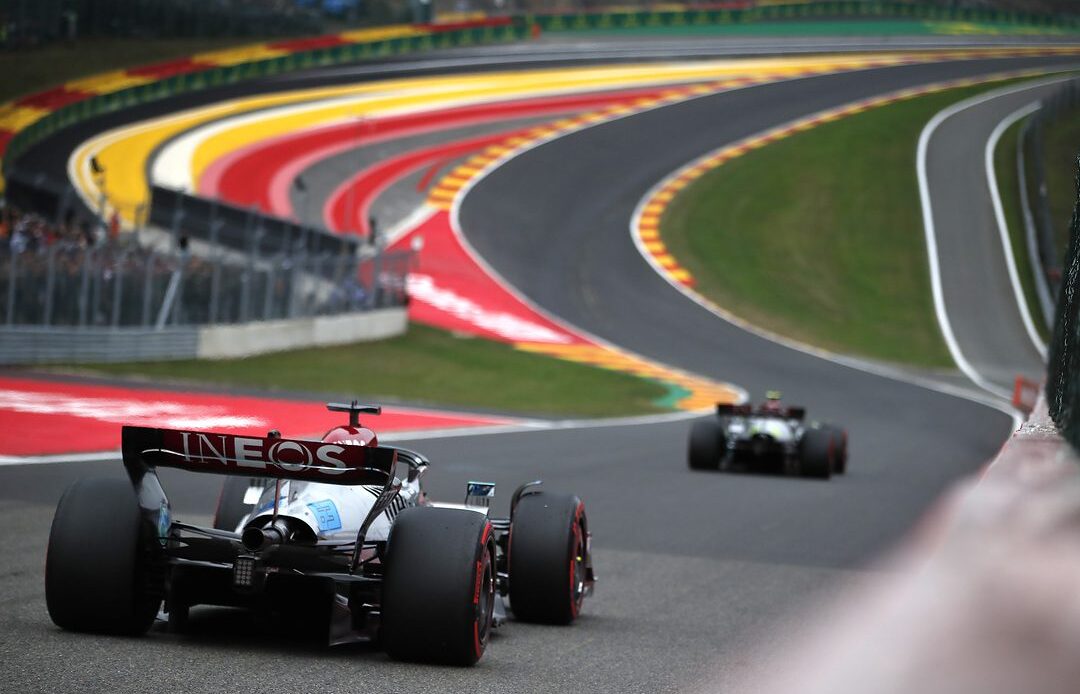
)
(984, 598)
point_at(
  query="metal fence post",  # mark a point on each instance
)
(12, 269)
(50, 284)
(215, 272)
(95, 293)
(376, 280)
(178, 302)
(268, 295)
(84, 286)
(148, 286)
(249, 273)
(305, 238)
(178, 216)
(118, 288)
(63, 205)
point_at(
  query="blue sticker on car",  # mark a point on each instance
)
(164, 524)
(326, 515)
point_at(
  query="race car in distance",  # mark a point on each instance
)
(324, 531)
(770, 438)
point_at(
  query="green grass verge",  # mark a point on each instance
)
(827, 27)
(1061, 143)
(425, 366)
(819, 236)
(1008, 180)
(36, 69)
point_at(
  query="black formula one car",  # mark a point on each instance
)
(770, 438)
(315, 528)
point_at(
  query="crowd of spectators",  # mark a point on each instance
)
(22, 232)
(89, 273)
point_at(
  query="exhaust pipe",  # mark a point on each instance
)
(256, 538)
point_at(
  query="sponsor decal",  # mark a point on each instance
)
(164, 523)
(225, 453)
(326, 515)
(506, 325)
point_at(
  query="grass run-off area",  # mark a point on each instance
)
(1061, 147)
(819, 237)
(35, 69)
(426, 366)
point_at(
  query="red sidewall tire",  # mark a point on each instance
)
(547, 559)
(438, 564)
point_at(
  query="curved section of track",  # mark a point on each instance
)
(571, 253)
(979, 293)
(694, 568)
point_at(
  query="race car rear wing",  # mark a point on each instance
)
(745, 410)
(311, 461)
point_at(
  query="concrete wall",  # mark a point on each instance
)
(21, 345)
(233, 341)
(95, 345)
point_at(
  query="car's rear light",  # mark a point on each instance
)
(244, 572)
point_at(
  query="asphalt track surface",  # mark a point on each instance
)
(979, 298)
(697, 571)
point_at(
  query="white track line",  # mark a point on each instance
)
(931, 235)
(546, 425)
(858, 365)
(99, 457)
(455, 225)
(882, 371)
(1003, 225)
(893, 374)
(1042, 287)
(524, 426)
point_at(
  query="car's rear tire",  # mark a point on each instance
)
(547, 558)
(816, 453)
(438, 593)
(840, 441)
(706, 444)
(97, 573)
(231, 507)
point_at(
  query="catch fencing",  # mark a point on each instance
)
(1063, 368)
(76, 287)
(70, 283)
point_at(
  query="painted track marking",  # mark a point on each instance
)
(1003, 225)
(931, 234)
